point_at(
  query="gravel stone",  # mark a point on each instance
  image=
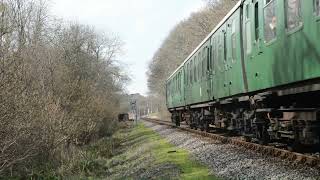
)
(233, 162)
(161, 171)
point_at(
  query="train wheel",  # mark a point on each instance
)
(206, 126)
(177, 122)
(263, 138)
(202, 126)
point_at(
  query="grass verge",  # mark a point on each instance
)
(156, 158)
(134, 152)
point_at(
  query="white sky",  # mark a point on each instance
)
(141, 24)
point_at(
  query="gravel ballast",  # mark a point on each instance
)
(232, 162)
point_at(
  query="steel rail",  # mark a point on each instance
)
(262, 149)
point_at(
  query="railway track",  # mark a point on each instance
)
(263, 149)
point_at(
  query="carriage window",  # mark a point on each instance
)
(270, 21)
(220, 51)
(178, 83)
(209, 63)
(191, 72)
(247, 42)
(180, 78)
(293, 14)
(195, 70)
(214, 53)
(199, 66)
(204, 63)
(256, 17)
(247, 11)
(187, 74)
(248, 37)
(175, 83)
(225, 45)
(317, 7)
(233, 40)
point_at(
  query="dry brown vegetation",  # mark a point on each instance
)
(181, 41)
(59, 86)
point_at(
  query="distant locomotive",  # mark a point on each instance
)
(257, 73)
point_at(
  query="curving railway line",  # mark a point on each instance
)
(306, 159)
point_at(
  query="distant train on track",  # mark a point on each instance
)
(257, 73)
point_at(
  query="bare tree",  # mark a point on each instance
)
(181, 41)
(57, 84)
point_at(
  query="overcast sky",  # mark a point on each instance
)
(141, 24)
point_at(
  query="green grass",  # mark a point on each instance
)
(134, 152)
(190, 169)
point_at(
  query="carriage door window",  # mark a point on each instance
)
(195, 69)
(209, 58)
(248, 45)
(213, 53)
(191, 72)
(256, 18)
(204, 60)
(317, 7)
(233, 40)
(270, 21)
(225, 45)
(179, 82)
(186, 76)
(199, 65)
(220, 51)
(293, 14)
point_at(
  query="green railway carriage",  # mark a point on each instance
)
(257, 73)
(283, 46)
(175, 89)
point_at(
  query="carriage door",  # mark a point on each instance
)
(247, 34)
(209, 70)
(257, 16)
(252, 41)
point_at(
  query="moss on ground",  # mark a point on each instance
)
(134, 152)
(144, 143)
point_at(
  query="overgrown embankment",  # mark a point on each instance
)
(60, 87)
(136, 152)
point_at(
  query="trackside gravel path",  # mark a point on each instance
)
(232, 162)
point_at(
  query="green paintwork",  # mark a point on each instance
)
(175, 89)
(293, 56)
